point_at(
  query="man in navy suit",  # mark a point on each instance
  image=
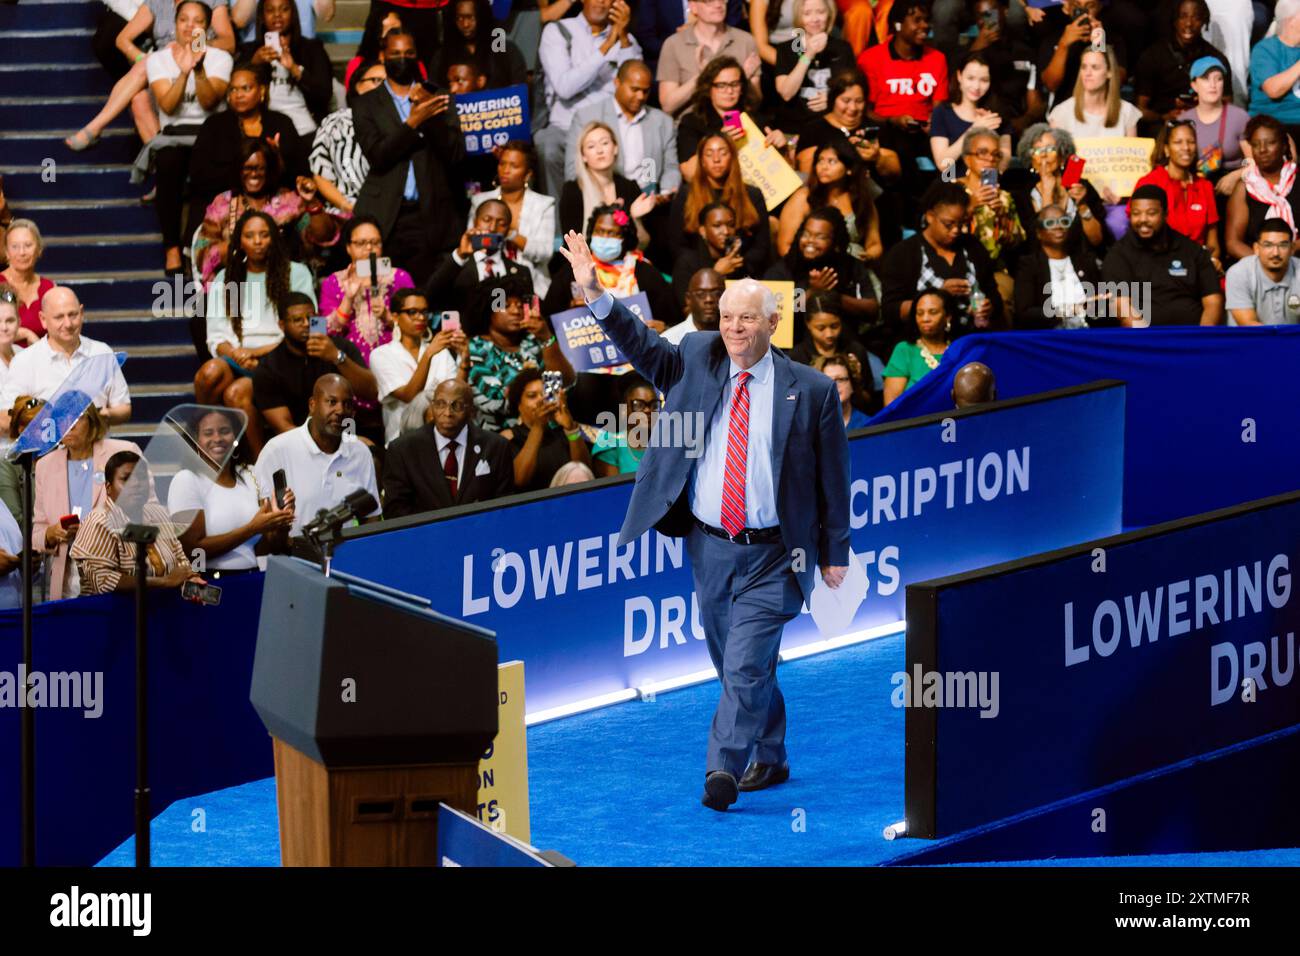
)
(762, 500)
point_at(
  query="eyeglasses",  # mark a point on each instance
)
(1275, 246)
(728, 84)
(642, 405)
(367, 243)
(413, 312)
(986, 153)
(1044, 150)
(1056, 222)
(441, 405)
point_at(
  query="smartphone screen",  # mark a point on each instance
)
(281, 486)
(989, 177)
(1073, 171)
(272, 39)
(451, 321)
(731, 118)
(318, 325)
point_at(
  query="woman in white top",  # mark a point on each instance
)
(532, 214)
(302, 80)
(243, 311)
(226, 516)
(9, 326)
(1095, 109)
(188, 85)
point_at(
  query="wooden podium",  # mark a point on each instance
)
(379, 709)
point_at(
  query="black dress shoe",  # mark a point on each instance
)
(759, 776)
(719, 790)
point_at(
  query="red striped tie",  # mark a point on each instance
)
(733, 476)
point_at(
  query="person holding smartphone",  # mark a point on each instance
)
(992, 218)
(417, 359)
(1058, 180)
(284, 378)
(1163, 75)
(226, 514)
(302, 79)
(106, 562)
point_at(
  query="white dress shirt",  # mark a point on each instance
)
(443, 441)
(40, 369)
(393, 366)
(631, 144)
(318, 479)
(706, 486)
(676, 333)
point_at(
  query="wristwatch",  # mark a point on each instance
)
(340, 358)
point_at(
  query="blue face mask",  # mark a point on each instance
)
(606, 248)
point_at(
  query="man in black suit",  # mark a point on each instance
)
(482, 256)
(449, 461)
(411, 138)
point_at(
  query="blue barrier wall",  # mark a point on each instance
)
(204, 734)
(589, 618)
(1111, 659)
(1189, 391)
(1051, 467)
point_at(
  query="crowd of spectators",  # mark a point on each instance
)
(381, 294)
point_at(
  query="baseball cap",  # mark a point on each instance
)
(1204, 65)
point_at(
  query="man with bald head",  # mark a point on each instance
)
(323, 459)
(973, 385)
(40, 369)
(762, 500)
(450, 461)
(703, 294)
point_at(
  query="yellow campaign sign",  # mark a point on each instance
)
(783, 289)
(1115, 161)
(503, 771)
(764, 166)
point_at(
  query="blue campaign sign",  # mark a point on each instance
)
(492, 118)
(1098, 663)
(585, 344)
(464, 841)
(931, 496)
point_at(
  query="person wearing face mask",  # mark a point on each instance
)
(1174, 274)
(412, 140)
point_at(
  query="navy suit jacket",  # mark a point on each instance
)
(810, 454)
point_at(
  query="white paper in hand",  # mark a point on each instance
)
(833, 609)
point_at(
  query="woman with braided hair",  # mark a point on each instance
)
(244, 306)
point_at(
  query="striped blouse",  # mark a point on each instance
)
(336, 156)
(103, 557)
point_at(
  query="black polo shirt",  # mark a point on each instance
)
(1162, 72)
(1176, 273)
(283, 379)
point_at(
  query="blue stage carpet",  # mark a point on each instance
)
(621, 786)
